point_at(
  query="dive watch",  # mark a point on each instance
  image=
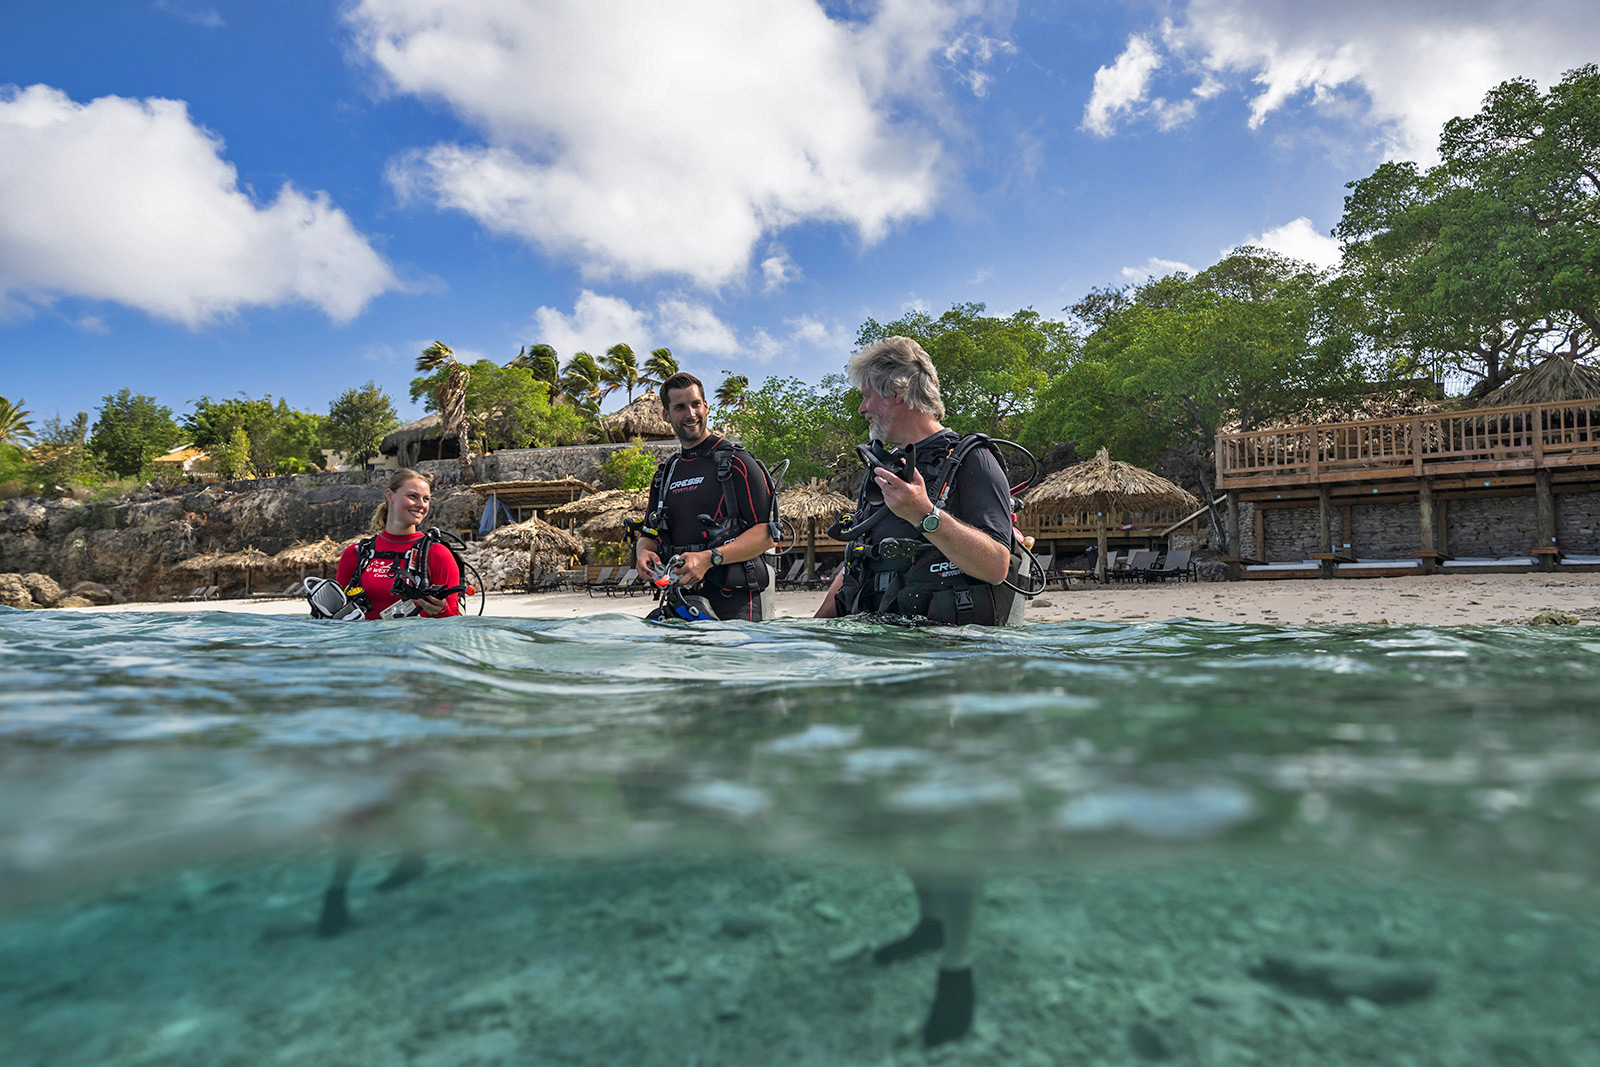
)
(716, 557)
(931, 522)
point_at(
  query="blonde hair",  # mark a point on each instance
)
(401, 477)
(897, 366)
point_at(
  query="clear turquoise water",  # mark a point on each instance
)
(1177, 800)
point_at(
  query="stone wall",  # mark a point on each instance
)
(1491, 527)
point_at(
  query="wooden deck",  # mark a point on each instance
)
(1484, 441)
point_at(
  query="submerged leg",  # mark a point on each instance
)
(409, 866)
(926, 936)
(335, 918)
(954, 903)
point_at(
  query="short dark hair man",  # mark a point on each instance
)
(713, 477)
(923, 561)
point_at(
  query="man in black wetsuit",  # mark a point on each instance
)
(713, 477)
(947, 565)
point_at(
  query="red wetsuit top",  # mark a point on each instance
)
(378, 579)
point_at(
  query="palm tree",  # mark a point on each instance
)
(545, 364)
(730, 394)
(621, 370)
(658, 368)
(452, 397)
(15, 429)
(583, 380)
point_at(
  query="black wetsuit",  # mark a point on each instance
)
(927, 585)
(733, 589)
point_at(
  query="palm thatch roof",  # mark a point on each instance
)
(607, 526)
(813, 500)
(588, 507)
(207, 561)
(536, 535)
(310, 553)
(247, 559)
(642, 418)
(538, 494)
(1106, 484)
(429, 426)
(1558, 379)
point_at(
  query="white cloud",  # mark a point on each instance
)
(1119, 88)
(189, 11)
(671, 138)
(1403, 68)
(1155, 267)
(835, 338)
(92, 324)
(695, 328)
(778, 269)
(596, 323)
(1298, 240)
(976, 51)
(129, 201)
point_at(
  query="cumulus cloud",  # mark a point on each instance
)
(1155, 267)
(1121, 87)
(778, 269)
(695, 328)
(672, 138)
(597, 322)
(129, 201)
(1297, 239)
(1403, 69)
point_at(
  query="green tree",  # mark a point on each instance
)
(506, 407)
(814, 427)
(232, 456)
(61, 455)
(281, 439)
(1168, 364)
(628, 468)
(661, 365)
(990, 368)
(359, 420)
(1476, 268)
(620, 370)
(451, 397)
(131, 431)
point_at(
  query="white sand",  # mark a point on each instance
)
(1445, 599)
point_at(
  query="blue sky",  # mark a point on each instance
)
(215, 197)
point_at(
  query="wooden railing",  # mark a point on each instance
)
(1479, 441)
(1083, 523)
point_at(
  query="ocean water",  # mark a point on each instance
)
(1189, 842)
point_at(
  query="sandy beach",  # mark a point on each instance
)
(1441, 600)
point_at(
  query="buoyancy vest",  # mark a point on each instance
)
(750, 574)
(892, 567)
(411, 563)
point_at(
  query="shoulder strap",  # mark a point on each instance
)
(946, 476)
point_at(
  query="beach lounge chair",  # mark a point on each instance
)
(203, 592)
(822, 581)
(1176, 565)
(793, 579)
(550, 583)
(601, 579)
(1139, 561)
(627, 584)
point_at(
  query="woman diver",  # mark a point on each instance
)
(400, 551)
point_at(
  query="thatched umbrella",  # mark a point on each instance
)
(1104, 485)
(642, 418)
(812, 503)
(539, 538)
(303, 555)
(246, 560)
(607, 526)
(408, 439)
(586, 508)
(205, 562)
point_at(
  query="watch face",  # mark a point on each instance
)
(931, 522)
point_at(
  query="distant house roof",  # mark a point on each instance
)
(181, 455)
(424, 428)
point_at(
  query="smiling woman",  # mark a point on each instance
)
(377, 564)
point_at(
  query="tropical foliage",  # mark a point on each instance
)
(504, 407)
(278, 438)
(815, 427)
(449, 395)
(131, 431)
(628, 468)
(359, 420)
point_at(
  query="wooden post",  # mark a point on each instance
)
(1428, 520)
(1261, 535)
(1234, 545)
(1547, 518)
(1100, 546)
(1325, 528)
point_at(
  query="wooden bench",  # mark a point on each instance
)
(1548, 556)
(1234, 563)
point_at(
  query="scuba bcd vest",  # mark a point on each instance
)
(891, 567)
(328, 601)
(714, 533)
